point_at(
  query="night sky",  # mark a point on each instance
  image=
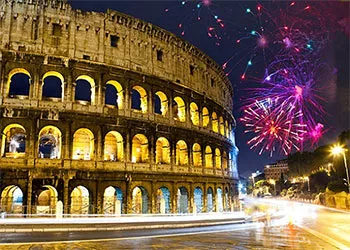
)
(233, 13)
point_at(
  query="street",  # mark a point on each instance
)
(312, 228)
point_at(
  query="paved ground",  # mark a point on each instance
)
(278, 237)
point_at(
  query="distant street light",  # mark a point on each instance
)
(253, 176)
(336, 150)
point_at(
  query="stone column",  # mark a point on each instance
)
(174, 199)
(153, 198)
(29, 193)
(128, 140)
(99, 142)
(35, 86)
(99, 86)
(190, 198)
(66, 195)
(205, 198)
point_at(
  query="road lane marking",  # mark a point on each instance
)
(324, 238)
(242, 227)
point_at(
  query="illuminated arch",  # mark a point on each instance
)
(205, 117)
(224, 161)
(113, 147)
(139, 99)
(163, 103)
(83, 144)
(214, 122)
(18, 87)
(112, 200)
(208, 157)
(51, 88)
(182, 200)
(163, 201)
(210, 200)
(217, 158)
(222, 126)
(162, 151)
(179, 109)
(46, 200)
(139, 149)
(81, 87)
(198, 199)
(13, 141)
(12, 200)
(197, 155)
(118, 96)
(194, 114)
(219, 200)
(181, 153)
(139, 200)
(50, 142)
(80, 200)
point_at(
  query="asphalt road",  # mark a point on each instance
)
(311, 228)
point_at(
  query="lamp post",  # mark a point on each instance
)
(336, 150)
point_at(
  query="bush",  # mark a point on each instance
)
(337, 186)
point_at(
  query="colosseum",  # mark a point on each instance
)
(103, 113)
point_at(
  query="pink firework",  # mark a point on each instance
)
(274, 128)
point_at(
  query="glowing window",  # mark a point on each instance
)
(205, 117)
(181, 153)
(83, 144)
(194, 113)
(139, 149)
(208, 157)
(162, 151)
(179, 109)
(197, 155)
(113, 147)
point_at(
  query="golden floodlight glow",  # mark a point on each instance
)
(337, 149)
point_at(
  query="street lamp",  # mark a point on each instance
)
(336, 150)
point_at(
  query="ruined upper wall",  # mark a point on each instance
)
(52, 27)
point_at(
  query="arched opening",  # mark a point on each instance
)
(83, 144)
(222, 126)
(210, 200)
(114, 94)
(205, 117)
(208, 157)
(139, 200)
(198, 200)
(85, 90)
(194, 114)
(18, 83)
(139, 149)
(113, 147)
(160, 103)
(179, 109)
(182, 200)
(50, 143)
(219, 205)
(53, 85)
(46, 200)
(113, 200)
(214, 122)
(139, 99)
(217, 158)
(162, 151)
(181, 153)
(80, 201)
(11, 200)
(224, 161)
(14, 141)
(197, 155)
(163, 200)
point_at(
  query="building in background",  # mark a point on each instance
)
(275, 170)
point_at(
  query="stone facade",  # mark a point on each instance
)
(109, 114)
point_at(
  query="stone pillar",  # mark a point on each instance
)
(128, 140)
(29, 193)
(69, 87)
(2, 80)
(153, 198)
(151, 148)
(150, 106)
(66, 195)
(205, 198)
(99, 199)
(99, 86)
(127, 99)
(100, 144)
(174, 199)
(191, 198)
(35, 86)
(170, 107)
(200, 117)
